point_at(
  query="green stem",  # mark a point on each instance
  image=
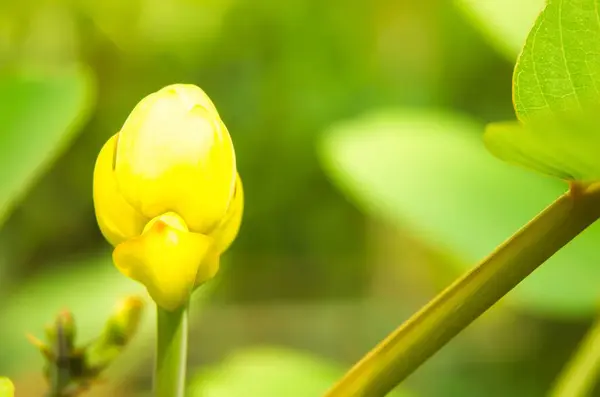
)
(579, 375)
(171, 352)
(403, 351)
(60, 375)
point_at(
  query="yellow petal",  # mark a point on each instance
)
(209, 268)
(191, 96)
(175, 154)
(223, 235)
(230, 225)
(117, 219)
(165, 258)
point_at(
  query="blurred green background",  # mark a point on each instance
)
(357, 127)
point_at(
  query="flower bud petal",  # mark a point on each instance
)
(209, 268)
(191, 96)
(175, 154)
(230, 226)
(117, 219)
(223, 235)
(165, 258)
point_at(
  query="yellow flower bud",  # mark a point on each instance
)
(7, 389)
(167, 194)
(175, 154)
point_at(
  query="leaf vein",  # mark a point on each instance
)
(533, 62)
(564, 54)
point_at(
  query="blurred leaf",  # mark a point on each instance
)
(430, 170)
(505, 23)
(555, 82)
(89, 288)
(40, 114)
(268, 372)
(177, 24)
(118, 20)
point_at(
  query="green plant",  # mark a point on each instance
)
(71, 369)
(425, 170)
(556, 101)
(168, 197)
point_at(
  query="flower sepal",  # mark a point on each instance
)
(166, 258)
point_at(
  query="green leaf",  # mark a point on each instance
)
(40, 114)
(559, 68)
(505, 23)
(545, 147)
(268, 372)
(556, 92)
(430, 171)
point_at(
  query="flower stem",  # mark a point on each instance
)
(171, 352)
(579, 375)
(427, 331)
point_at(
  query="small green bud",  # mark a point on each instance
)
(120, 328)
(123, 324)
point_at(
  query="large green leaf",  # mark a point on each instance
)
(556, 92)
(268, 372)
(505, 23)
(430, 171)
(39, 114)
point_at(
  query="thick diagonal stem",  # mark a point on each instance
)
(403, 351)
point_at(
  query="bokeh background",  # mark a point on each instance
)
(357, 126)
